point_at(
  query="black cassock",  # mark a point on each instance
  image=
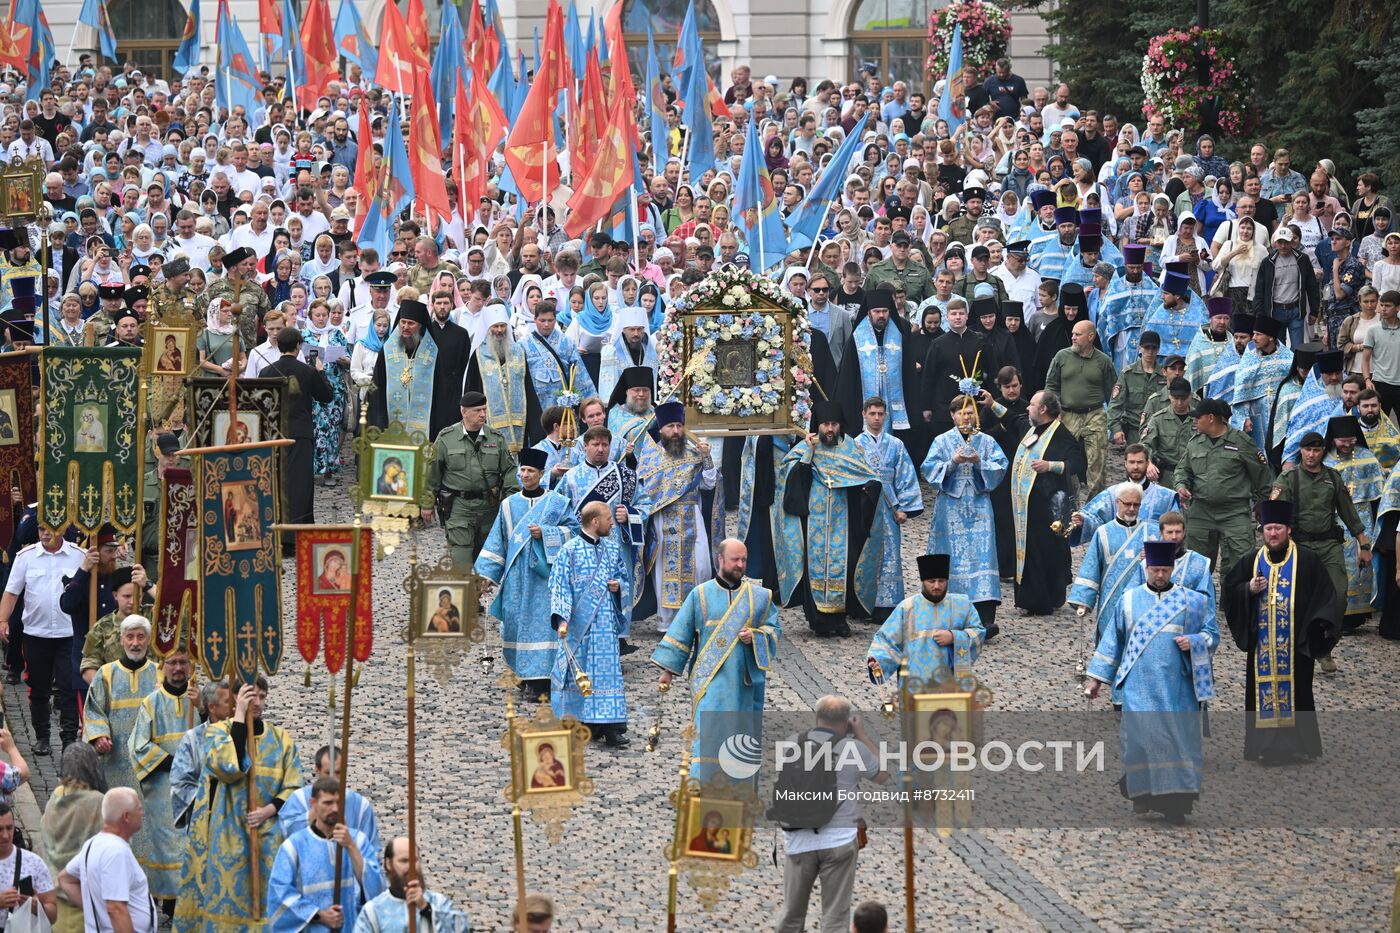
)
(447, 394)
(758, 537)
(1316, 628)
(861, 502)
(1047, 572)
(851, 395)
(1007, 431)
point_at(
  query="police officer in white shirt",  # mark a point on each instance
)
(37, 575)
(382, 294)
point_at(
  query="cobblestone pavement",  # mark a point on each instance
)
(609, 873)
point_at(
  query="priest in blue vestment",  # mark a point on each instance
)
(1193, 569)
(389, 912)
(614, 482)
(1155, 653)
(1129, 296)
(356, 811)
(1261, 370)
(900, 500)
(1364, 479)
(189, 802)
(162, 720)
(586, 605)
(1112, 564)
(965, 465)
(1176, 315)
(1220, 379)
(1100, 510)
(630, 412)
(631, 347)
(1284, 614)
(1209, 342)
(826, 543)
(758, 473)
(874, 365)
(676, 475)
(725, 636)
(530, 528)
(301, 892)
(553, 361)
(1051, 252)
(499, 371)
(934, 633)
(1319, 400)
(409, 386)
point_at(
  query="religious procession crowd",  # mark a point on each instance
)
(994, 313)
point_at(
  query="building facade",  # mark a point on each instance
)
(815, 39)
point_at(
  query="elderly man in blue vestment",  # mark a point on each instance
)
(553, 361)
(529, 530)
(1319, 400)
(900, 500)
(189, 801)
(826, 543)
(409, 386)
(599, 478)
(499, 370)
(1262, 368)
(631, 347)
(162, 720)
(1364, 479)
(1220, 378)
(1176, 315)
(1153, 630)
(113, 700)
(679, 553)
(935, 634)
(355, 811)
(726, 637)
(630, 412)
(1100, 510)
(389, 912)
(301, 893)
(1210, 341)
(1112, 564)
(1130, 294)
(1284, 614)
(586, 608)
(965, 465)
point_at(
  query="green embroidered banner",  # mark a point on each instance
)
(91, 450)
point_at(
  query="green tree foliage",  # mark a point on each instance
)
(1320, 70)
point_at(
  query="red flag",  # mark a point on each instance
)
(14, 43)
(269, 25)
(610, 175)
(461, 139)
(591, 119)
(479, 134)
(482, 40)
(621, 78)
(418, 31)
(425, 148)
(364, 167)
(318, 47)
(396, 56)
(530, 146)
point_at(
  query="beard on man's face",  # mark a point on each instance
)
(637, 406)
(829, 438)
(410, 343)
(674, 446)
(498, 346)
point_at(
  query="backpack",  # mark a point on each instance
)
(806, 798)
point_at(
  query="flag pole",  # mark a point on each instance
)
(818, 238)
(636, 229)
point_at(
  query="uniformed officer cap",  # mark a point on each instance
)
(1179, 388)
(381, 279)
(139, 269)
(167, 443)
(234, 256)
(123, 315)
(111, 292)
(136, 293)
(1175, 359)
(473, 400)
(1212, 406)
(900, 239)
(1019, 247)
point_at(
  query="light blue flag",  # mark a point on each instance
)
(353, 41)
(187, 55)
(291, 45)
(656, 108)
(236, 82)
(951, 105)
(502, 85)
(806, 220)
(94, 14)
(392, 193)
(447, 64)
(573, 41)
(695, 92)
(768, 243)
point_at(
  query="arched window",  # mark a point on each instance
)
(892, 36)
(148, 32)
(666, 17)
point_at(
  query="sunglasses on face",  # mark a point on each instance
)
(819, 290)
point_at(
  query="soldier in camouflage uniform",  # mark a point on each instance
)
(471, 472)
(100, 325)
(174, 302)
(240, 286)
(918, 284)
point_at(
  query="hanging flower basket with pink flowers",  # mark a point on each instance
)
(1171, 80)
(986, 31)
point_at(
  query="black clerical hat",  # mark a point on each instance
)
(412, 310)
(1159, 553)
(534, 457)
(825, 411)
(934, 566)
(1276, 512)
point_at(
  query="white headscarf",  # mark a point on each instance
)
(211, 319)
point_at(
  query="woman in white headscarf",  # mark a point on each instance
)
(322, 261)
(523, 299)
(215, 343)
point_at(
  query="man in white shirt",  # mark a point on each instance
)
(829, 852)
(30, 144)
(381, 295)
(313, 221)
(47, 632)
(256, 234)
(240, 176)
(194, 245)
(266, 353)
(1022, 282)
(355, 291)
(105, 878)
(15, 894)
(1059, 108)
